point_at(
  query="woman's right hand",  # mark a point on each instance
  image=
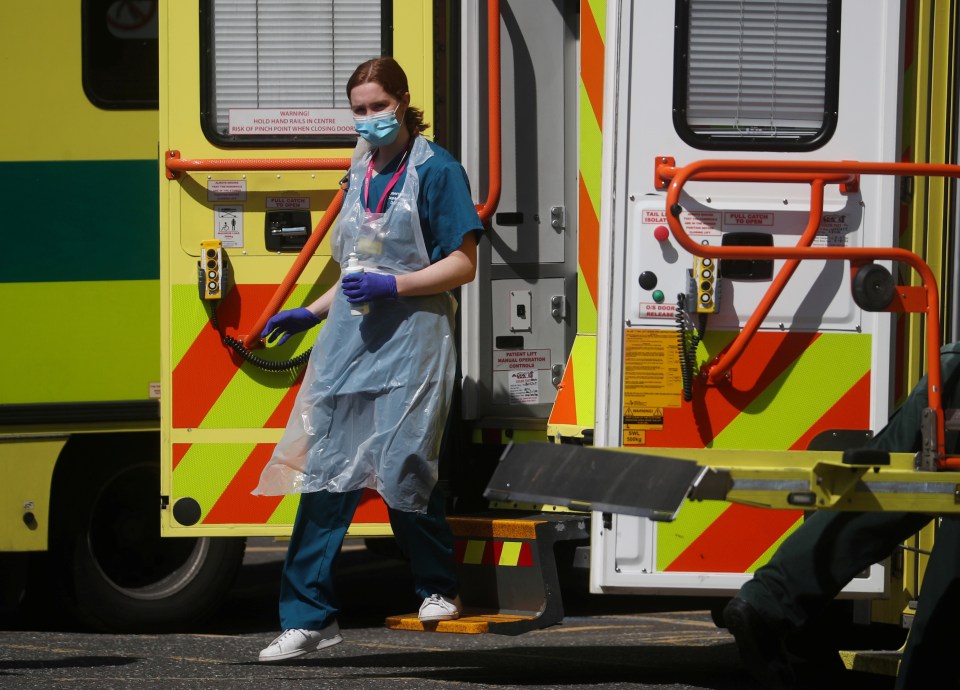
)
(287, 323)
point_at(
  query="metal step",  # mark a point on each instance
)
(879, 662)
(509, 583)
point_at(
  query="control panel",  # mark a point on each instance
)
(659, 271)
(211, 270)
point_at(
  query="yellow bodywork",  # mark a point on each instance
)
(27, 469)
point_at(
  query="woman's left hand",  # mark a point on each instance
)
(368, 287)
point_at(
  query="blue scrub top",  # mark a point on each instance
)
(446, 209)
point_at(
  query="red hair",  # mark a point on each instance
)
(388, 73)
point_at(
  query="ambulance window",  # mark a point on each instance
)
(274, 72)
(120, 53)
(756, 74)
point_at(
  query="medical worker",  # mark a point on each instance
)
(376, 393)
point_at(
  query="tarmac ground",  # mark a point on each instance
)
(616, 642)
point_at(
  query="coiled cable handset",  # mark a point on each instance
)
(214, 280)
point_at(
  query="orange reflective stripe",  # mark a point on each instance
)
(236, 504)
(278, 419)
(588, 241)
(201, 375)
(735, 540)
(766, 359)
(179, 450)
(851, 411)
(565, 406)
(372, 509)
(591, 59)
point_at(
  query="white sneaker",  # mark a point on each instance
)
(437, 607)
(297, 642)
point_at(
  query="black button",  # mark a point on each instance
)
(648, 280)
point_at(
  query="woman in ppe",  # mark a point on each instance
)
(376, 394)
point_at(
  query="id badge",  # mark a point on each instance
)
(370, 236)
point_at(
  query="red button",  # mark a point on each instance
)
(661, 232)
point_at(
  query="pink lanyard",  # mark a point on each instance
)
(390, 184)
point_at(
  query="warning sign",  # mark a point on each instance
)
(700, 222)
(523, 387)
(509, 360)
(654, 217)
(302, 121)
(764, 218)
(651, 381)
(657, 310)
(228, 226)
(833, 230)
(291, 202)
(227, 190)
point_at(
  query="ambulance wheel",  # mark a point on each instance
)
(123, 576)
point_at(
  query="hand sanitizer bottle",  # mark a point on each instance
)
(353, 266)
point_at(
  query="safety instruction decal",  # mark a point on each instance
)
(523, 387)
(833, 230)
(291, 121)
(651, 381)
(289, 202)
(228, 226)
(226, 190)
(748, 218)
(509, 360)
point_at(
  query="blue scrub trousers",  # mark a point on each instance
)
(307, 597)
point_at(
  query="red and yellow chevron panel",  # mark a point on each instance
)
(592, 21)
(720, 537)
(213, 388)
(574, 409)
(220, 477)
(785, 390)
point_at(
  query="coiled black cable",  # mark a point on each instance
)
(686, 370)
(259, 362)
(687, 350)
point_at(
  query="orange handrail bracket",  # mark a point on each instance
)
(919, 299)
(171, 159)
(909, 299)
(663, 171)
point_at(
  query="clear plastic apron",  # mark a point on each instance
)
(376, 393)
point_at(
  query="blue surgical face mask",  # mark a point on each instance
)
(380, 129)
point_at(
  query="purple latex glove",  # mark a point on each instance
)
(287, 323)
(367, 287)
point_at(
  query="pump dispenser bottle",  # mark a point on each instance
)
(353, 266)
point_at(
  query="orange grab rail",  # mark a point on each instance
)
(817, 174)
(176, 165)
(494, 171)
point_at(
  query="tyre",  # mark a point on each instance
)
(122, 576)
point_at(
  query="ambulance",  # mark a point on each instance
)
(202, 177)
